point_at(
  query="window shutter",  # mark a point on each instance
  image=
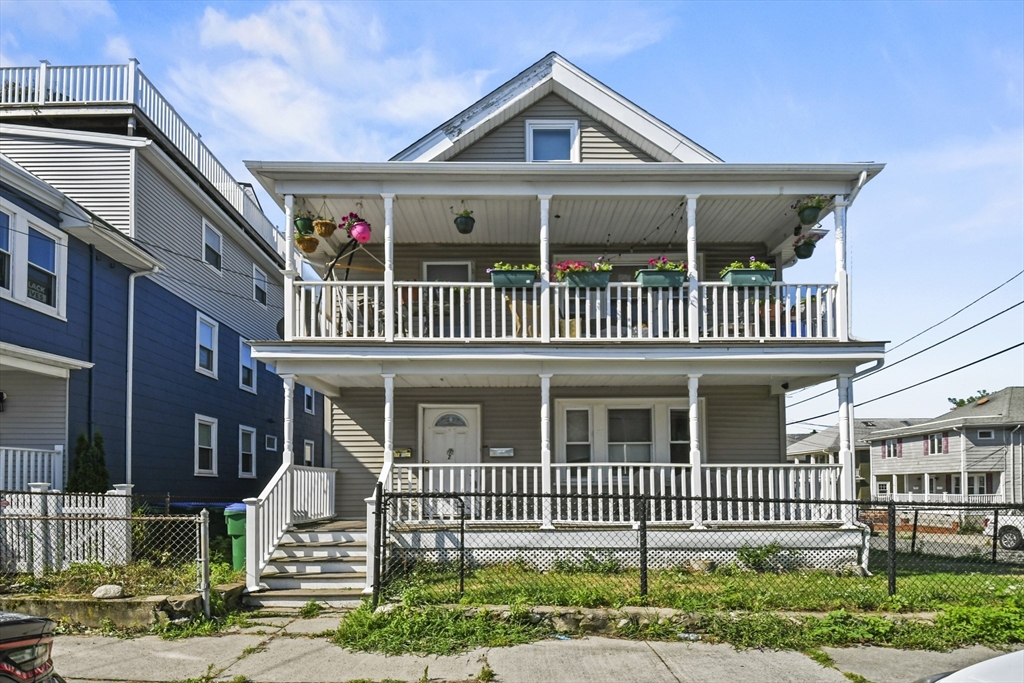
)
(949, 483)
(988, 483)
(927, 445)
(899, 448)
(945, 442)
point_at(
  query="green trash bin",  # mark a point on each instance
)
(234, 515)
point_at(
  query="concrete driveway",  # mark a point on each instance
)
(298, 651)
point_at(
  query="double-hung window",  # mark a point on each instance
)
(307, 400)
(246, 452)
(33, 261)
(976, 484)
(212, 246)
(891, 448)
(42, 268)
(934, 444)
(246, 367)
(630, 435)
(206, 446)
(577, 435)
(307, 453)
(5, 251)
(553, 140)
(259, 285)
(206, 345)
(679, 436)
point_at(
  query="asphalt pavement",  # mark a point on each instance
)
(298, 651)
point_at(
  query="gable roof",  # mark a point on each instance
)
(827, 440)
(1004, 407)
(555, 74)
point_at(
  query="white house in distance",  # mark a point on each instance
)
(440, 379)
(973, 453)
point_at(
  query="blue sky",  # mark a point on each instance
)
(935, 90)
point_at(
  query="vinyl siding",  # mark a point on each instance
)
(171, 227)
(35, 413)
(97, 177)
(742, 425)
(508, 142)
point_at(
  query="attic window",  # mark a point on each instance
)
(553, 140)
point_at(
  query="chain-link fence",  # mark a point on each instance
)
(730, 553)
(68, 543)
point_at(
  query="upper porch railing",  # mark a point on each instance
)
(467, 312)
(65, 86)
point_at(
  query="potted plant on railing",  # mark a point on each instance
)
(584, 274)
(810, 208)
(752, 273)
(304, 237)
(662, 273)
(504, 275)
(803, 246)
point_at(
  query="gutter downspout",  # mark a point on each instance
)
(1013, 467)
(129, 383)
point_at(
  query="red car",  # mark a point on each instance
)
(25, 644)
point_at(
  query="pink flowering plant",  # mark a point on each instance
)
(812, 237)
(752, 264)
(815, 201)
(565, 267)
(662, 263)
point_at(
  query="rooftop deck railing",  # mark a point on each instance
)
(63, 86)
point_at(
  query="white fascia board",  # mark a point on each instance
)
(923, 428)
(23, 358)
(102, 139)
(170, 170)
(116, 245)
(430, 147)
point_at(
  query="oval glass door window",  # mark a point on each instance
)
(450, 420)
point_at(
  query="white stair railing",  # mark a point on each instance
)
(21, 466)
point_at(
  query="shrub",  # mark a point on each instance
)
(89, 470)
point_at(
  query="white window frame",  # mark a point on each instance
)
(200, 319)
(9, 251)
(599, 406)
(564, 437)
(976, 485)
(270, 442)
(207, 225)
(309, 447)
(18, 239)
(934, 444)
(882, 488)
(255, 288)
(308, 400)
(653, 443)
(242, 346)
(456, 262)
(204, 419)
(986, 434)
(243, 431)
(572, 125)
(890, 448)
(670, 441)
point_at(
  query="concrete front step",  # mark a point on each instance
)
(314, 581)
(297, 597)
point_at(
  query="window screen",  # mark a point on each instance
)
(629, 435)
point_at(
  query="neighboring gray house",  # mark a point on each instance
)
(976, 451)
(823, 447)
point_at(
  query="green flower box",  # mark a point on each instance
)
(748, 277)
(513, 278)
(649, 277)
(592, 280)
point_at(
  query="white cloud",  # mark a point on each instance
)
(65, 16)
(118, 49)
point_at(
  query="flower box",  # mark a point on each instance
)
(748, 277)
(513, 278)
(650, 277)
(589, 279)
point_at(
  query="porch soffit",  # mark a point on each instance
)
(14, 357)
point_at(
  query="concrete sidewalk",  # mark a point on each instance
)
(290, 651)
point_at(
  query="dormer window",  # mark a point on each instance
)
(553, 140)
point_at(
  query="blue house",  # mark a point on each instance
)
(136, 271)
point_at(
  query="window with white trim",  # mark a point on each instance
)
(41, 278)
(955, 481)
(986, 434)
(577, 435)
(679, 436)
(270, 442)
(553, 140)
(976, 484)
(307, 400)
(307, 452)
(33, 261)
(246, 367)
(259, 285)
(448, 271)
(206, 446)
(883, 488)
(213, 244)
(934, 444)
(5, 250)
(891, 448)
(206, 345)
(630, 435)
(246, 452)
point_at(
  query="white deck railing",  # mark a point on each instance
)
(762, 484)
(623, 311)
(518, 480)
(942, 497)
(603, 493)
(21, 466)
(126, 84)
(295, 494)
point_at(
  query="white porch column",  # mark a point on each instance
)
(389, 269)
(842, 273)
(693, 307)
(545, 448)
(874, 486)
(963, 462)
(289, 267)
(545, 270)
(846, 480)
(389, 420)
(696, 457)
(287, 450)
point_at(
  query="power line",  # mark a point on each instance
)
(893, 393)
(916, 353)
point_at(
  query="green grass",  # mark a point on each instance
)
(311, 610)
(200, 626)
(143, 577)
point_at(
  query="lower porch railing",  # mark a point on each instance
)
(980, 498)
(295, 494)
(20, 467)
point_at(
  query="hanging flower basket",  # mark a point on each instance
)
(464, 224)
(304, 225)
(307, 243)
(809, 215)
(804, 249)
(324, 228)
(809, 209)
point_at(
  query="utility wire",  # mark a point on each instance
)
(893, 393)
(917, 353)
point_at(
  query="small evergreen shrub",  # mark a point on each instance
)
(89, 470)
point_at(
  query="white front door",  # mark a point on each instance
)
(451, 435)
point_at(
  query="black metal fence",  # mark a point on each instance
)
(448, 547)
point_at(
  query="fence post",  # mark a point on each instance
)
(40, 547)
(58, 467)
(371, 540)
(378, 534)
(892, 547)
(995, 534)
(913, 535)
(41, 83)
(462, 547)
(204, 560)
(167, 503)
(643, 544)
(252, 548)
(117, 539)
